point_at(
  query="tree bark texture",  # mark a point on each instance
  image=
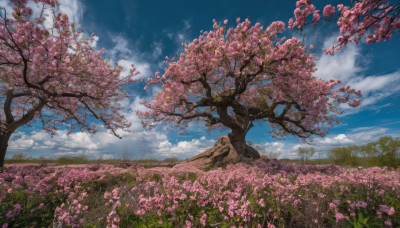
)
(3, 147)
(224, 152)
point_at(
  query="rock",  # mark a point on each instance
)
(222, 154)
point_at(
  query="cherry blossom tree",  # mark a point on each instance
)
(377, 20)
(231, 78)
(52, 74)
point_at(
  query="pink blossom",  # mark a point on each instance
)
(339, 216)
(388, 223)
(328, 11)
(203, 219)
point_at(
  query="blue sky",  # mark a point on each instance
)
(144, 32)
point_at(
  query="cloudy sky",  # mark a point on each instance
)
(144, 32)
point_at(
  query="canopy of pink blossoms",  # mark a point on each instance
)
(232, 77)
(51, 72)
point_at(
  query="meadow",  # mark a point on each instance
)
(258, 193)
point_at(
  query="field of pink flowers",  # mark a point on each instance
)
(256, 194)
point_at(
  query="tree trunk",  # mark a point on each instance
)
(3, 147)
(227, 150)
(238, 141)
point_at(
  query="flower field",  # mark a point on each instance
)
(254, 194)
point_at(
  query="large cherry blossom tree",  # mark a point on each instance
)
(376, 20)
(52, 74)
(231, 78)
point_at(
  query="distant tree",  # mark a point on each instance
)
(305, 153)
(384, 152)
(231, 78)
(262, 149)
(125, 155)
(344, 155)
(377, 20)
(50, 73)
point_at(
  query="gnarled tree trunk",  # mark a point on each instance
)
(3, 147)
(227, 150)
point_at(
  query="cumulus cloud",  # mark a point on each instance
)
(184, 148)
(20, 142)
(339, 140)
(138, 143)
(340, 66)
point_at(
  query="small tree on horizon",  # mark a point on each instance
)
(51, 73)
(305, 153)
(232, 78)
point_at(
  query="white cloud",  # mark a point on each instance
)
(74, 9)
(339, 140)
(138, 142)
(6, 4)
(376, 88)
(21, 143)
(340, 66)
(157, 49)
(344, 65)
(182, 35)
(122, 51)
(357, 136)
(184, 148)
(367, 134)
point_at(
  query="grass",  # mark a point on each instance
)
(22, 158)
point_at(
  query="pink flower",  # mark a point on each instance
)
(316, 17)
(290, 23)
(9, 215)
(5, 225)
(106, 195)
(225, 21)
(328, 11)
(391, 211)
(361, 204)
(388, 223)
(339, 216)
(140, 212)
(64, 17)
(203, 219)
(387, 210)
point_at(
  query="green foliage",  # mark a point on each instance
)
(156, 177)
(383, 152)
(171, 160)
(344, 155)
(305, 153)
(72, 160)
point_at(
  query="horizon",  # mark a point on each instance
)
(144, 33)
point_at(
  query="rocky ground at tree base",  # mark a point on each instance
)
(220, 155)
